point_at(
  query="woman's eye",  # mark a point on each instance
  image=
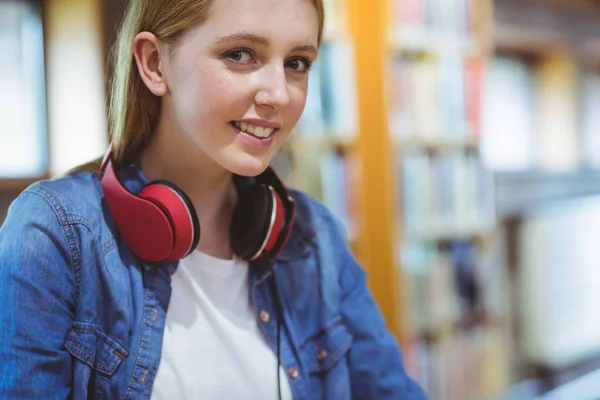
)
(240, 56)
(299, 64)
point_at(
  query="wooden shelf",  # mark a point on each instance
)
(424, 43)
(441, 331)
(326, 142)
(585, 6)
(376, 202)
(437, 143)
(443, 231)
(18, 183)
(518, 193)
(515, 38)
(543, 26)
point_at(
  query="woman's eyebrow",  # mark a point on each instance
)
(309, 48)
(261, 41)
(244, 36)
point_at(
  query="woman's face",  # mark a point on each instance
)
(237, 83)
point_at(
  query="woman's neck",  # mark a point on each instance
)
(208, 185)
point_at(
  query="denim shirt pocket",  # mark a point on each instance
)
(326, 348)
(95, 348)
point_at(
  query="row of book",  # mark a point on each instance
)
(441, 196)
(327, 174)
(467, 365)
(430, 21)
(445, 194)
(330, 117)
(522, 116)
(331, 109)
(454, 296)
(449, 285)
(339, 174)
(435, 98)
(541, 115)
(440, 287)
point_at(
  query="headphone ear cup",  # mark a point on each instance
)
(142, 224)
(180, 212)
(251, 221)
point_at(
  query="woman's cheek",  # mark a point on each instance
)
(223, 98)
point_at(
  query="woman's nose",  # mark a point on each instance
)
(273, 90)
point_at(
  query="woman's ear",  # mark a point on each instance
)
(147, 50)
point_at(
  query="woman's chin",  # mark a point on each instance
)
(248, 165)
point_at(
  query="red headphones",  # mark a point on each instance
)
(160, 223)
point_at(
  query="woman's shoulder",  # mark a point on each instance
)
(53, 221)
(69, 199)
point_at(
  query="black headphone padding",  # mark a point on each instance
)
(251, 220)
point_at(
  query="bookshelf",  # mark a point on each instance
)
(399, 161)
(456, 326)
(546, 54)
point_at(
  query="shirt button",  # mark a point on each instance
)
(265, 317)
(321, 354)
(293, 372)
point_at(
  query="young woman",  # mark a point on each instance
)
(182, 268)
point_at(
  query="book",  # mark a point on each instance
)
(558, 137)
(508, 115)
(590, 118)
(337, 174)
(338, 89)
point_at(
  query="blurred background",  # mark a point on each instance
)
(458, 140)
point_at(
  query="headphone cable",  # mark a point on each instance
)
(278, 317)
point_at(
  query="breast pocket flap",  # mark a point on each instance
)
(95, 348)
(326, 348)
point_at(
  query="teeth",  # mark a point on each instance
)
(255, 130)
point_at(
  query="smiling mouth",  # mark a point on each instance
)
(254, 130)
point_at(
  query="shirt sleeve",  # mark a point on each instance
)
(376, 366)
(36, 301)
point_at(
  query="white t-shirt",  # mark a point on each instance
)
(213, 348)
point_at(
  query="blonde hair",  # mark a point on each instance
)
(133, 110)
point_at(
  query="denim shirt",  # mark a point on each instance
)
(82, 317)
